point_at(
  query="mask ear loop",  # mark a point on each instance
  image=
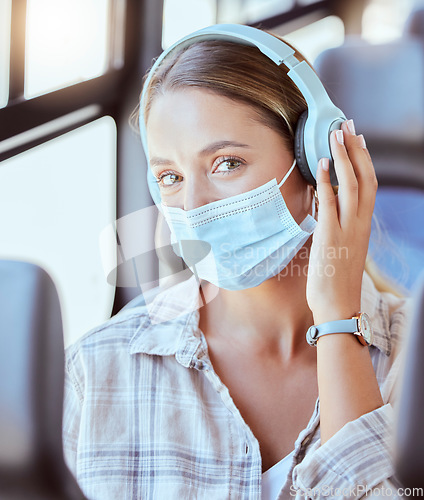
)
(283, 180)
(315, 195)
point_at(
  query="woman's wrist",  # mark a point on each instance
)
(334, 314)
(347, 384)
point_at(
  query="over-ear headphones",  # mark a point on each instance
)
(312, 135)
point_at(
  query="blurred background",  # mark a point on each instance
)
(72, 171)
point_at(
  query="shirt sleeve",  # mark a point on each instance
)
(73, 399)
(357, 461)
(353, 462)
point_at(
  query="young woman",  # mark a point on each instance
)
(214, 392)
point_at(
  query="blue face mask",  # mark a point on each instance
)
(240, 241)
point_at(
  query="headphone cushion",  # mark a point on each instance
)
(299, 150)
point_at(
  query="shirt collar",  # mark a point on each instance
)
(171, 325)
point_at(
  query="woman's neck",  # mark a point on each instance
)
(270, 319)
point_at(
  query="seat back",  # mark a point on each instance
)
(31, 390)
(410, 438)
(382, 88)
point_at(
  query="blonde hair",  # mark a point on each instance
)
(243, 74)
(239, 72)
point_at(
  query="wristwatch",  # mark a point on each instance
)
(359, 325)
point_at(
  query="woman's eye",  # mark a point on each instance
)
(228, 165)
(168, 179)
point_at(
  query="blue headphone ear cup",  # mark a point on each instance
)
(299, 150)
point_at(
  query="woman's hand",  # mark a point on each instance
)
(347, 384)
(340, 240)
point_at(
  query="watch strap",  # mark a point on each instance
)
(338, 326)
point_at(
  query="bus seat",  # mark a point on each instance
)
(400, 250)
(382, 88)
(31, 393)
(410, 438)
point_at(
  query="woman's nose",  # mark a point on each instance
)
(196, 193)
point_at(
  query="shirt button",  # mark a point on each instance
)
(247, 448)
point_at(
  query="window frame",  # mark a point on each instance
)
(297, 11)
(114, 94)
(21, 115)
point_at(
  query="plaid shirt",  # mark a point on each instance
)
(146, 416)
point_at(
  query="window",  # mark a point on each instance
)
(55, 200)
(5, 9)
(316, 37)
(66, 43)
(383, 20)
(181, 17)
(311, 39)
(252, 11)
(197, 14)
(58, 150)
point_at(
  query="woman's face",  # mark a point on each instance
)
(205, 147)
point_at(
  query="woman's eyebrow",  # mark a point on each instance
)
(159, 162)
(216, 146)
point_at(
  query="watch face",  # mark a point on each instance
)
(366, 328)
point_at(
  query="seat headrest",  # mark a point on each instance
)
(379, 86)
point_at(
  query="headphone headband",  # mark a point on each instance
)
(323, 116)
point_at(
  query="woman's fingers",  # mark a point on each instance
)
(327, 201)
(363, 169)
(356, 176)
(355, 173)
(348, 183)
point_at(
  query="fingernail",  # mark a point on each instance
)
(351, 127)
(362, 141)
(339, 136)
(324, 164)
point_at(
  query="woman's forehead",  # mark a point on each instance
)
(200, 115)
(200, 99)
